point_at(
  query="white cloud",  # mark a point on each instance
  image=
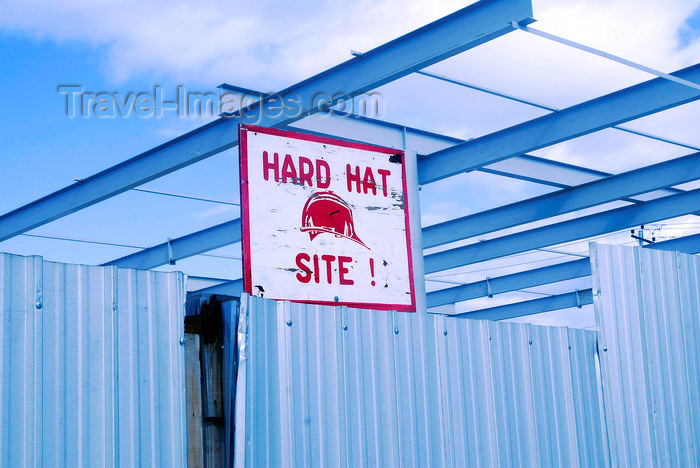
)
(270, 45)
(265, 43)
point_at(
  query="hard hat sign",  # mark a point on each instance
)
(325, 221)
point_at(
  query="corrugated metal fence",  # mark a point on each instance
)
(324, 386)
(91, 367)
(92, 374)
(648, 316)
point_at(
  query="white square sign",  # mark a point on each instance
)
(325, 221)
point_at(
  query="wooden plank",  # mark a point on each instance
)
(195, 420)
(213, 412)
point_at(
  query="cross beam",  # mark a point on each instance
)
(566, 231)
(535, 306)
(625, 185)
(621, 106)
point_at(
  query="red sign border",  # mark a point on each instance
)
(245, 212)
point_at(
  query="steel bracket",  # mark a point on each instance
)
(171, 259)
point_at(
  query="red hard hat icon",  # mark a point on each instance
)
(327, 212)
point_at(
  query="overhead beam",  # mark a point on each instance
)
(513, 282)
(535, 306)
(566, 231)
(690, 244)
(186, 246)
(628, 184)
(229, 288)
(545, 107)
(453, 34)
(541, 276)
(373, 131)
(687, 244)
(622, 106)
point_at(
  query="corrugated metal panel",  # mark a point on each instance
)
(647, 306)
(325, 386)
(92, 371)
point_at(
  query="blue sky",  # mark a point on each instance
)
(128, 46)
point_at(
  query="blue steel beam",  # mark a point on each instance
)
(604, 112)
(535, 306)
(687, 244)
(229, 288)
(546, 275)
(540, 276)
(451, 35)
(467, 28)
(513, 282)
(625, 185)
(186, 246)
(566, 231)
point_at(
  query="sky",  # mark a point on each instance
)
(126, 46)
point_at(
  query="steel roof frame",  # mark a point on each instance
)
(621, 186)
(451, 35)
(437, 142)
(531, 307)
(464, 29)
(186, 246)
